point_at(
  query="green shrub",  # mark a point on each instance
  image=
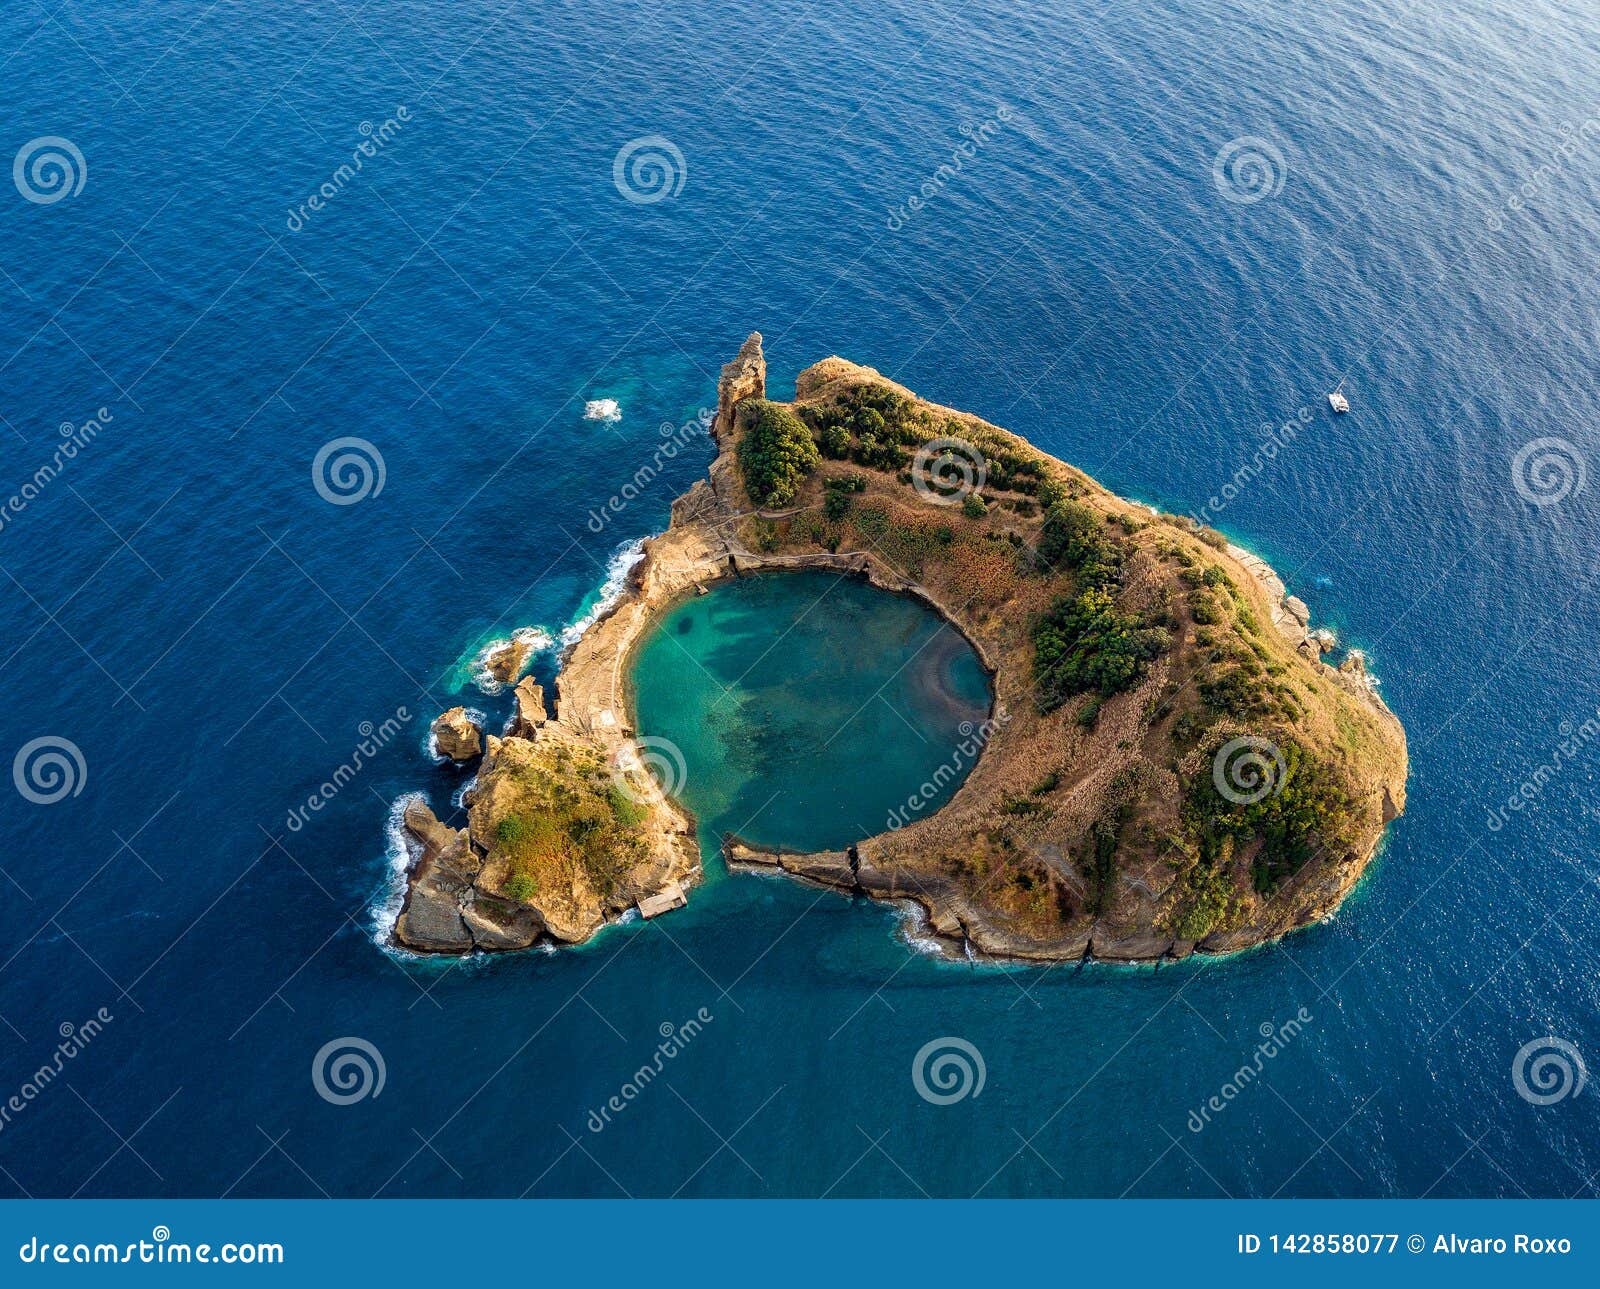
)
(835, 442)
(974, 507)
(1210, 902)
(1074, 537)
(1085, 644)
(1050, 492)
(776, 453)
(1307, 806)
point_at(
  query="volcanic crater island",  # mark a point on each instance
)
(1169, 765)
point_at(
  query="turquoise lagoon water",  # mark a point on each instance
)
(810, 709)
(1086, 279)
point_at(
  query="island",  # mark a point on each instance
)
(1170, 765)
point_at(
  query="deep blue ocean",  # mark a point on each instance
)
(1110, 272)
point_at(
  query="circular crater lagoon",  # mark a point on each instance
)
(810, 707)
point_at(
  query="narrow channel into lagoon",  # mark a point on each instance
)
(809, 707)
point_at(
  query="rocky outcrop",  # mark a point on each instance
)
(505, 661)
(468, 890)
(528, 712)
(744, 377)
(440, 882)
(457, 735)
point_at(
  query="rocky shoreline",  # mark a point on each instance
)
(463, 895)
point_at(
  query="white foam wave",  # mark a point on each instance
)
(611, 590)
(917, 931)
(458, 798)
(538, 640)
(602, 409)
(430, 741)
(402, 850)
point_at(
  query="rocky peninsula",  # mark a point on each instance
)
(1170, 765)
